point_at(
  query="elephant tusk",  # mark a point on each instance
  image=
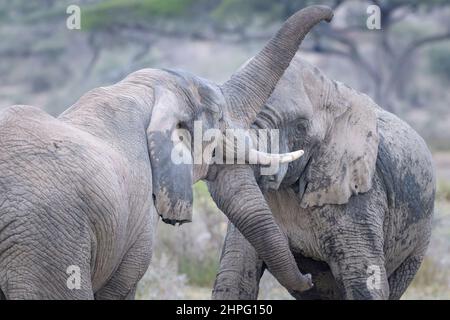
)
(259, 157)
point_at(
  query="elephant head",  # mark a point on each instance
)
(182, 99)
(334, 125)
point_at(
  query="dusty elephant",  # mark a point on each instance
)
(79, 193)
(356, 209)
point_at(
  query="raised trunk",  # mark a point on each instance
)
(249, 88)
(237, 194)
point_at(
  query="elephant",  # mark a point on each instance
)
(80, 194)
(356, 209)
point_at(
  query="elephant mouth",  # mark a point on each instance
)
(172, 212)
(173, 222)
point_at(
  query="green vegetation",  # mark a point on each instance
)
(431, 281)
(114, 13)
(199, 272)
(443, 191)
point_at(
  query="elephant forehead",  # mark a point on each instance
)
(290, 98)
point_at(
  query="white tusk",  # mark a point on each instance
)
(259, 157)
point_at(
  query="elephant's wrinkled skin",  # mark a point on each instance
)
(82, 191)
(356, 208)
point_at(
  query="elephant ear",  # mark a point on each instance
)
(344, 165)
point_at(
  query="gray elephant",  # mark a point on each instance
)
(356, 209)
(79, 193)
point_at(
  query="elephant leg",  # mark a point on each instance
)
(51, 278)
(240, 269)
(122, 285)
(2, 296)
(354, 252)
(359, 271)
(401, 278)
(361, 278)
(351, 241)
(325, 286)
(39, 269)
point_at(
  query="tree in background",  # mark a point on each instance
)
(385, 57)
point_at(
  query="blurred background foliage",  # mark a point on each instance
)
(405, 67)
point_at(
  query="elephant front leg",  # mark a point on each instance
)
(357, 265)
(364, 279)
(240, 269)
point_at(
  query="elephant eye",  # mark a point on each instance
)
(301, 125)
(182, 125)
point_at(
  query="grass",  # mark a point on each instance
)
(199, 272)
(443, 191)
(431, 282)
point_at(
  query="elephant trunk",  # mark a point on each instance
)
(251, 86)
(237, 194)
